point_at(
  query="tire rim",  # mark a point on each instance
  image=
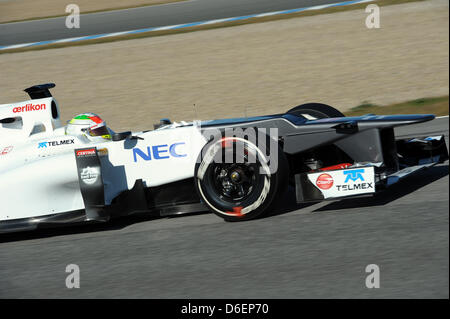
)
(234, 182)
(210, 172)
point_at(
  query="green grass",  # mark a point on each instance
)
(435, 105)
(212, 26)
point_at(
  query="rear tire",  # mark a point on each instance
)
(316, 110)
(239, 191)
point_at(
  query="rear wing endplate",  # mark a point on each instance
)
(40, 91)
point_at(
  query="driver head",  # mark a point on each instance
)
(89, 125)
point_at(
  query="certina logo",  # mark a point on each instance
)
(89, 175)
(324, 181)
(29, 107)
(354, 175)
(158, 152)
(56, 143)
(86, 152)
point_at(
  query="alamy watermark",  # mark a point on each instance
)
(242, 145)
(73, 279)
(373, 279)
(373, 19)
(73, 19)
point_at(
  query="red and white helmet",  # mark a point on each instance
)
(89, 125)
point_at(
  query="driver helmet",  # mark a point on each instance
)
(89, 125)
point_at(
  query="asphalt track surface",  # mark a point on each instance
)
(316, 251)
(143, 17)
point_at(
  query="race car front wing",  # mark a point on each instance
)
(365, 179)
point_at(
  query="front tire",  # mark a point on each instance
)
(316, 111)
(241, 189)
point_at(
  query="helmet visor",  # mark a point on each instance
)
(99, 131)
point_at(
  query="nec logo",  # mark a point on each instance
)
(354, 175)
(158, 152)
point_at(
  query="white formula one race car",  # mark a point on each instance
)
(53, 175)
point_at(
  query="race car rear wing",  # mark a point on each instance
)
(40, 91)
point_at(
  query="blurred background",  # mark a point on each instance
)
(254, 68)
